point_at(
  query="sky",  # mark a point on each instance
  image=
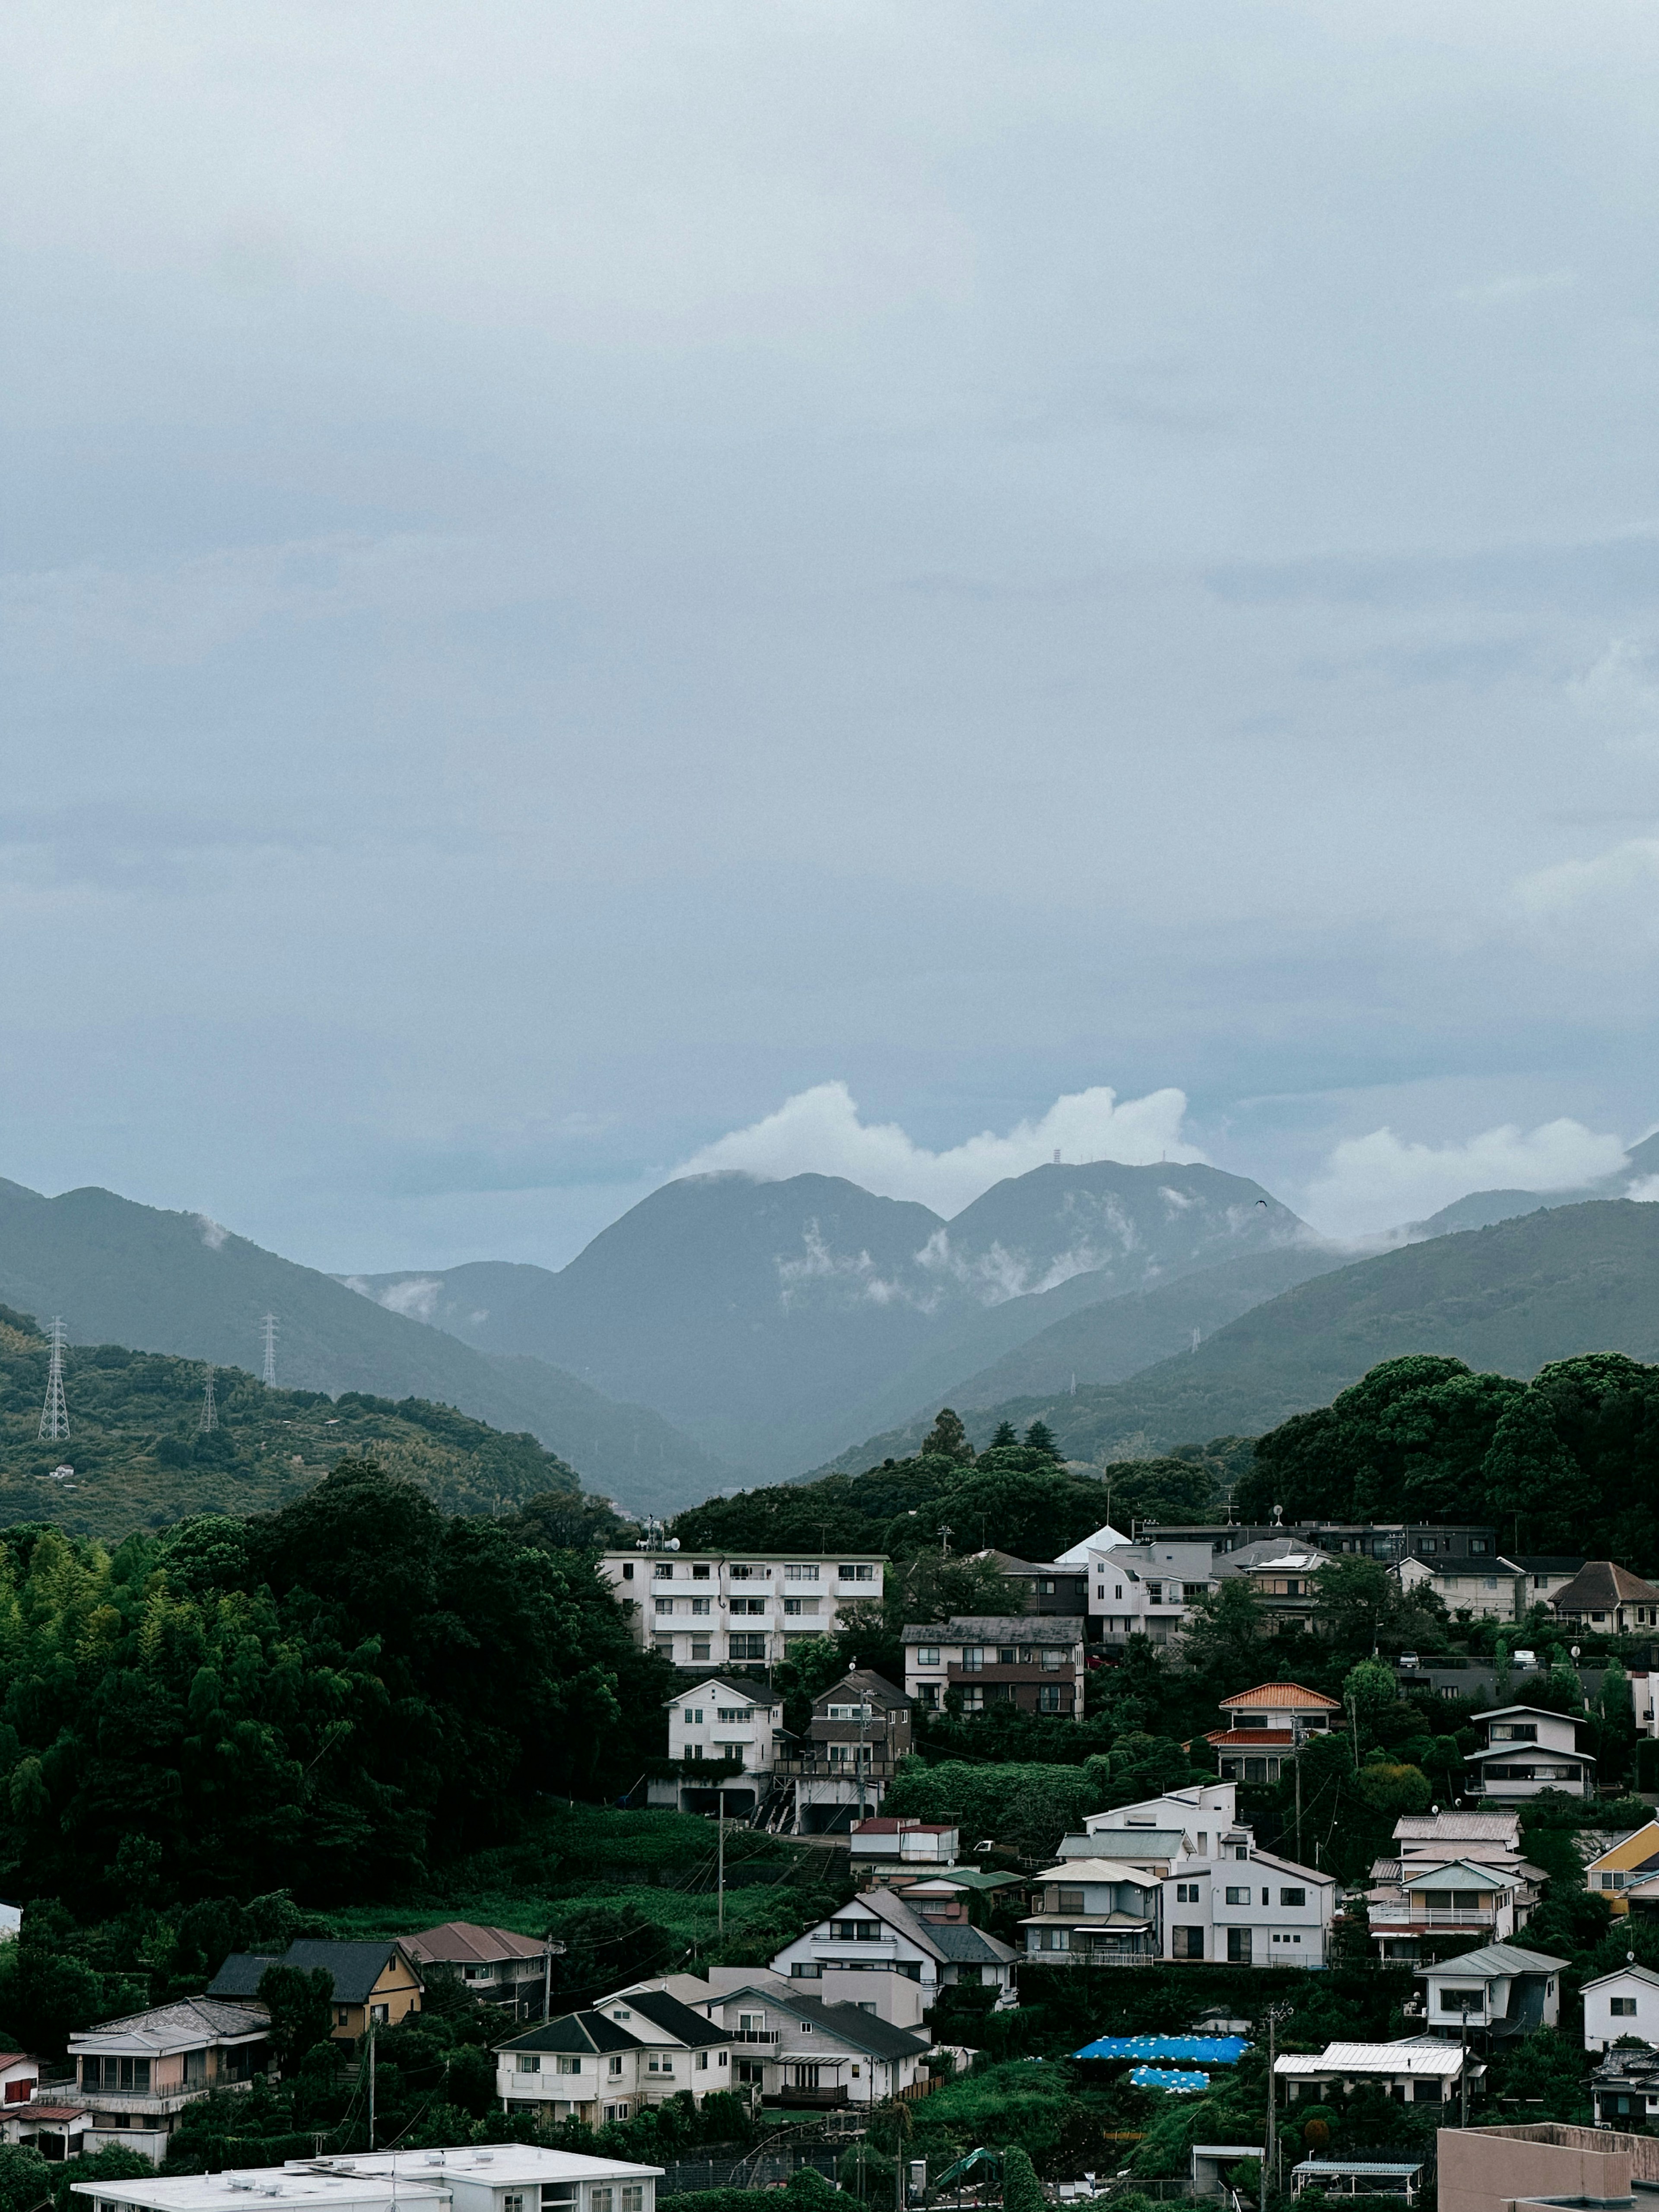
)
(890, 588)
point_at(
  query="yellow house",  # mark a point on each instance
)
(1630, 1860)
(375, 1984)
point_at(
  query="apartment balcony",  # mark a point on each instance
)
(1398, 1920)
(791, 2100)
(754, 2035)
(1021, 1674)
(834, 1769)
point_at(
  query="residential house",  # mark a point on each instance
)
(1147, 1588)
(1606, 1600)
(375, 1984)
(1040, 1589)
(1414, 1908)
(55, 2124)
(496, 1965)
(1624, 2002)
(1501, 1991)
(881, 1847)
(1625, 2087)
(1118, 1896)
(1035, 1664)
(736, 1609)
(1492, 1589)
(881, 1932)
(1416, 2069)
(20, 2077)
(723, 1739)
(1153, 1851)
(1201, 1812)
(800, 2053)
(1387, 1540)
(1500, 2169)
(1282, 1570)
(608, 2063)
(1529, 1750)
(1624, 1865)
(1543, 1575)
(469, 2177)
(1095, 1912)
(860, 1730)
(893, 1997)
(136, 2075)
(1264, 1725)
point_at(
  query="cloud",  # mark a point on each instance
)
(1611, 900)
(1502, 291)
(819, 1131)
(1370, 1184)
(212, 1232)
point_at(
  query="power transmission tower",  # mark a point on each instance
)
(209, 1412)
(269, 1325)
(54, 1415)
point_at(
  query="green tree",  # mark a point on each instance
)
(1528, 1472)
(1223, 1642)
(1040, 1437)
(25, 2179)
(1615, 1723)
(1005, 1435)
(947, 1438)
(1369, 1691)
(300, 2003)
(1021, 2190)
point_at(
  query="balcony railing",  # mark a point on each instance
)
(807, 2100)
(835, 1769)
(1395, 1916)
(754, 2035)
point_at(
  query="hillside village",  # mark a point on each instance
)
(918, 1873)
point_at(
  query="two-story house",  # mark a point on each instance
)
(974, 1663)
(609, 2063)
(730, 1728)
(839, 1773)
(1529, 1750)
(1282, 1570)
(493, 1964)
(1094, 1912)
(736, 1609)
(1607, 1600)
(1449, 1875)
(1485, 1588)
(1624, 2002)
(801, 2052)
(1125, 1894)
(1624, 1865)
(375, 1984)
(137, 2074)
(1492, 1995)
(1265, 1727)
(1147, 1588)
(1036, 1586)
(881, 1931)
(1202, 1813)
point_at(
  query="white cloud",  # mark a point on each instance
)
(1644, 1190)
(212, 1232)
(1502, 291)
(819, 1131)
(1376, 1182)
(1618, 889)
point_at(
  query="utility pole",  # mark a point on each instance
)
(1270, 2147)
(1463, 2071)
(54, 1415)
(547, 1979)
(720, 1863)
(864, 1729)
(269, 1325)
(1296, 1761)
(371, 2087)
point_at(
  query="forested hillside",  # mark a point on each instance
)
(136, 1456)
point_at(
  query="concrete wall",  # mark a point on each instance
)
(1485, 2169)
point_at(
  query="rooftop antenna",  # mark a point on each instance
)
(209, 1412)
(269, 1325)
(54, 1415)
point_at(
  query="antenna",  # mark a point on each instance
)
(54, 1415)
(209, 1413)
(270, 1326)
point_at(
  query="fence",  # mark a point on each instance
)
(765, 2169)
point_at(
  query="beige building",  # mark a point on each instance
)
(1497, 2169)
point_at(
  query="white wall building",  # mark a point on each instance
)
(1148, 1589)
(1624, 2003)
(803, 2053)
(1203, 1814)
(1503, 1990)
(1529, 1750)
(609, 2063)
(481, 2178)
(879, 1932)
(743, 1609)
(1120, 1894)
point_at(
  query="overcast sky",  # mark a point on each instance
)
(573, 574)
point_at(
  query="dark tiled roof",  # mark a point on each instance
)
(966, 1945)
(239, 1977)
(355, 1967)
(1600, 1584)
(676, 2019)
(575, 2030)
(864, 2031)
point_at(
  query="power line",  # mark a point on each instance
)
(209, 1412)
(54, 1415)
(269, 1325)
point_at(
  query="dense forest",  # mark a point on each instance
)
(328, 1698)
(137, 1454)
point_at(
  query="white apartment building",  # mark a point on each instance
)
(1123, 1895)
(741, 1609)
(472, 2178)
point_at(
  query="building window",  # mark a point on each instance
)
(662, 1572)
(794, 1605)
(529, 2063)
(1457, 2001)
(973, 1658)
(926, 1655)
(700, 1648)
(700, 1574)
(701, 1604)
(665, 1605)
(806, 1970)
(1053, 1658)
(734, 1713)
(1622, 2008)
(1187, 1942)
(1238, 1947)
(1480, 1544)
(1238, 1897)
(513, 2201)
(798, 1574)
(748, 1647)
(852, 1570)
(616, 2069)
(1186, 1892)
(633, 2196)
(563, 2065)
(616, 2111)
(1292, 1896)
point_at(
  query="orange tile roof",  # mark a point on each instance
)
(1285, 1694)
(1272, 1737)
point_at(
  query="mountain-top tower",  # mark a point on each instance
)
(54, 1415)
(270, 1328)
(209, 1413)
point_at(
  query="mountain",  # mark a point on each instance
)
(1507, 1299)
(136, 1457)
(773, 1320)
(125, 1274)
(1482, 1209)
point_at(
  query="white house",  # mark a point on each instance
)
(1148, 1589)
(1118, 1895)
(732, 1609)
(720, 1724)
(611, 2062)
(1027, 1661)
(1623, 2002)
(880, 1932)
(1529, 1750)
(879, 1843)
(1416, 2069)
(470, 2177)
(1485, 1589)
(801, 2053)
(1249, 1908)
(1202, 1814)
(1502, 1990)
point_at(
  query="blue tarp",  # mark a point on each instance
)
(1168, 2077)
(1201, 2050)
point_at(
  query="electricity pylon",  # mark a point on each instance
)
(54, 1415)
(269, 1325)
(209, 1413)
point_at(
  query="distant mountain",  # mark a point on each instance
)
(135, 1457)
(770, 1319)
(1507, 1299)
(124, 1273)
(1482, 1209)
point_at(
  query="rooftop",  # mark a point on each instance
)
(995, 1628)
(177, 2027)
(463, 1940)
(1458, 1827)
(1290, 1696)
(1600, 1584)
(745, 1694)
(1496, 1959)
(1424, 2056)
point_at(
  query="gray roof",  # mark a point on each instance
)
(355, 1968)
(996, 1628)
(1496, 1959)
(240, 1975)
(1124, 1844)
(189, 2021)
(864, 2030)
(745, 1694)
(969, 1947)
